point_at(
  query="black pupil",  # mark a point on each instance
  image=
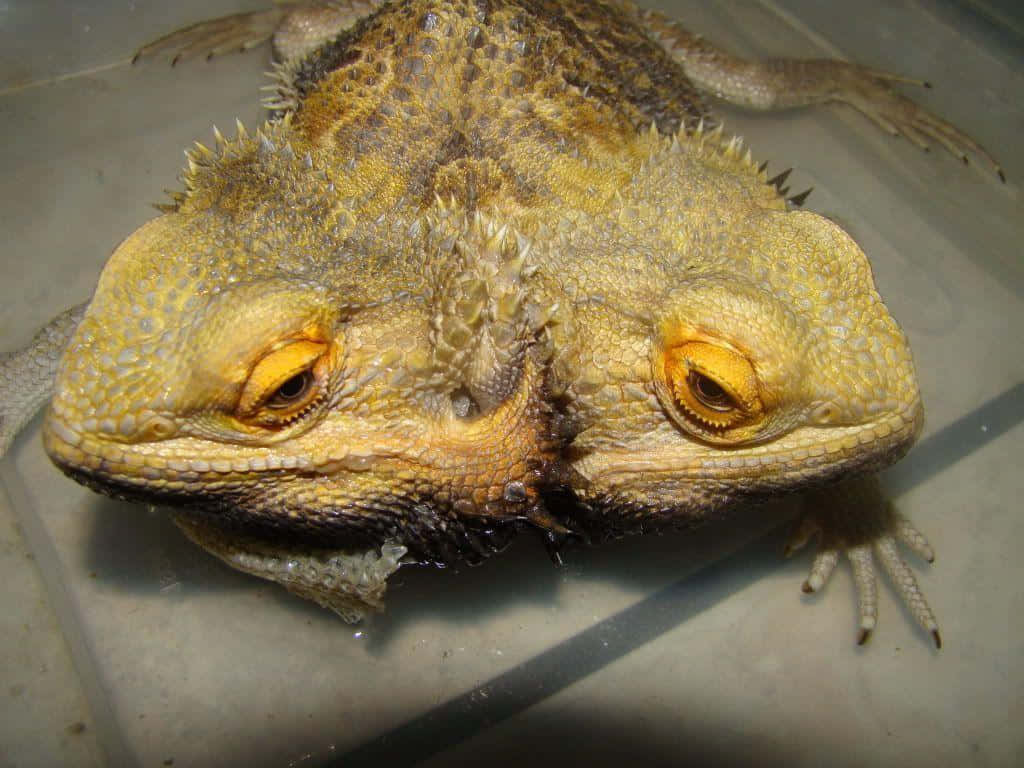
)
(294, 388)
(710, 391)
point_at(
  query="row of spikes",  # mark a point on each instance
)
(503, 243)
(270, 139)
(282, 93)
(201, 157)
(779, 180)
(732, 149)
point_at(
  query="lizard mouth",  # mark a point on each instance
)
(133, 471)
(459, 500)
(196, 463)
(486, 466)
(803, 456)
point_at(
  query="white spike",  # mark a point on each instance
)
(500, 236)
(515, 265)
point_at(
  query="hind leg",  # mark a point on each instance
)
(785, 83)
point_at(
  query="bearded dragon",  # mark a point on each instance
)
(490, 265)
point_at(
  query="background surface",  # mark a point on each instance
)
(120, 643)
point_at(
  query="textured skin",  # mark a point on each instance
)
(499, 256)
(26, 376)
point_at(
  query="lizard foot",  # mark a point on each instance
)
(853, 517)
(215, 37)
(870, 93)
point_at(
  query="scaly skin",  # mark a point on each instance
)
(487, 252)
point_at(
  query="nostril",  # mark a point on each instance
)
(464, 405)
(156, 428)
(826, 413)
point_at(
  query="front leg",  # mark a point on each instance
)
(350, 582)
(785, 83)
(27, 376)
(855, 518)
(297, 28)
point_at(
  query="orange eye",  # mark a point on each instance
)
(715, 387)
(292, 391)
(285, 384)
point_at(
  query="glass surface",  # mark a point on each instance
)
(655, 650)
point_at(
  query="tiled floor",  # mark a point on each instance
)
(124, 645)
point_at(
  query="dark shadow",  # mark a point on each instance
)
(524, 572)
(600, 739)
(578, 735)
(138, 550)
(588, 739)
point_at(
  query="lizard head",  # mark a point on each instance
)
(758, 358)
(280, 358)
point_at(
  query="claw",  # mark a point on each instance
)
(903, 579)
(824, 564)
(894, 78)
(854, 518)
(862, 560)
(215, 37)
(916, 137)
(869, 92)
(867, 590)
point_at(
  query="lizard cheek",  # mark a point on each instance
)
(713, 388)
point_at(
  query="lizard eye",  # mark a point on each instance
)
(292, 391)
(285, 384)
(709, 392)
(714, 387)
